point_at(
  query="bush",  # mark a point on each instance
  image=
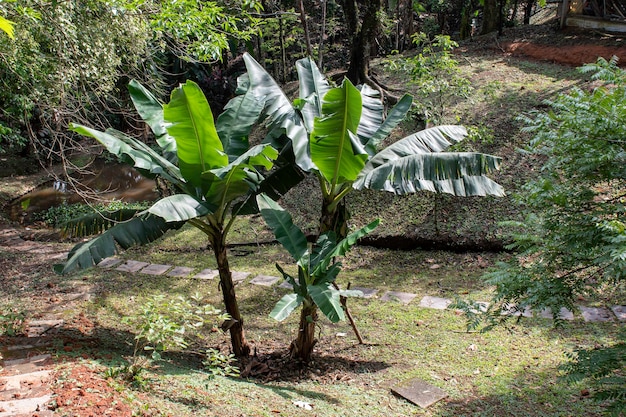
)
(58, 215)
(162, 324)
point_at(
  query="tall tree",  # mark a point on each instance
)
(362, 24)
(491, 16)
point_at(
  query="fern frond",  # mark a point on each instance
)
(95, 223)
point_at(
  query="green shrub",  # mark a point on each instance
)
(12, 323)
(59, 215)
(162, 324)
(435, 74)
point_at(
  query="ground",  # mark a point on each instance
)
(83, 390)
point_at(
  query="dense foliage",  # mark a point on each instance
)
(70, 61)
(65, 61)
(604, 367)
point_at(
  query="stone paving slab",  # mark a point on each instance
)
(131, 266)
(620, 312)
(510, 310)
(367, 292)
(419, 392)
(401, 297)
(156, 269)
(564, 314)
(27, 406)
(37, 361)
(180, 272)
(109, 262)
(207, 274)
(239, 276)
(596, 314)
(285, 284)
(435, 302)
(38, 328)
(16, 382)
(264, 280)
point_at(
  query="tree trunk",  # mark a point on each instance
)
(320, 52)
(362, 34)
(302, 347)
(305, 27)
(237, 335)
(528, 10)
(490, 17)
(283, 53)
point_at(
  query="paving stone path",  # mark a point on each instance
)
(25, 384)
(588, 314)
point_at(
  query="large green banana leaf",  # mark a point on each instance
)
(372, 114)
(416, 163)
(313, 86)
(134, 152)
(460, 174)
(286, 306)
(240, 114)
(344, 246)
(137, 231)
(283, 177)
(179, 208)
(151, 111)
(283, 117)
(394, 117)
(324, 245)
(281, 223)
(191, 124)
(327, 300)
(335, 148)
(240, 176)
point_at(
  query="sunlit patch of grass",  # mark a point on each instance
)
(508, 371)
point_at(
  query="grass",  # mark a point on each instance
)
(510, 371)
(504, 372)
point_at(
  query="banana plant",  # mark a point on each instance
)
(317, 270)
(334, 133)
(210, 173)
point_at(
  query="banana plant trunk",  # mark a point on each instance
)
(237, 335)
(335, 219)
(302, 347)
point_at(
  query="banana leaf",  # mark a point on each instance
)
(335, 148)
(151, 111)
(137, 231)
(191, 124)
